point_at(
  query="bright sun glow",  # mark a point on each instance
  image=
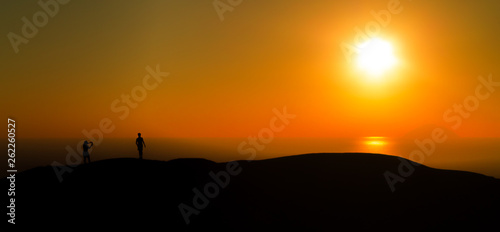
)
(375, 57)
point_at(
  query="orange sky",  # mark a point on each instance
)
(227, 76)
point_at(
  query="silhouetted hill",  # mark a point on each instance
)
(305, 192)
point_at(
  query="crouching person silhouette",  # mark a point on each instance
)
(140, 142)
(86, 147)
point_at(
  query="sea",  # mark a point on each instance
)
(479, 155)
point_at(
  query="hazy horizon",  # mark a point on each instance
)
(467, 154)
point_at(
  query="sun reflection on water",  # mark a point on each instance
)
(375, 144)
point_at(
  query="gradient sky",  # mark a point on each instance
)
(227, 76)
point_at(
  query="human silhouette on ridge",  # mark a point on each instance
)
(140, 142)
(86, 147)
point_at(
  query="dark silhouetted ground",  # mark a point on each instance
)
(306, 192)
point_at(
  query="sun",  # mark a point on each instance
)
(375, 57)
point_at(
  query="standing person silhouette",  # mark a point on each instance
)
(86, 148)
(139, 142)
